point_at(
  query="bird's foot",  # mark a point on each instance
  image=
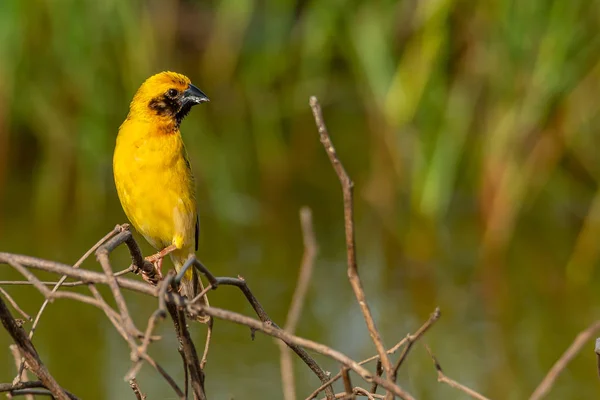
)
(159, 256)
(157, 261)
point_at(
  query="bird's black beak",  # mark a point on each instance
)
(192, 96)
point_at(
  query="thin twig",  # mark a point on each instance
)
(14, 304)
(432, 319)
(64, 284)
(378, 372)
(49, 295)
(347, 384)
(209, 326)
(136, 389)
(111, 314)
(559, 366)
(411, 339)
(14, 349)
(353, 276)
(364, 392)
(102, 254)
(451, 382)
(84, 275)
(158, 315)
(304, 276)
(28, 389)
(165, 375)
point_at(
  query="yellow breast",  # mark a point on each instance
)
(155, 184)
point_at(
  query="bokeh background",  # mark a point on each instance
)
(469, 128)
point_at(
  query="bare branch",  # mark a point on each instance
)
(165, 375)
(353, 276)
(65, 284)
(136, 389)
(209, 330)
(29, 389)
(14, 349)
(411, 339)
(378, 372)
(364, 392)
(349, 391)
(14, 304)
(102, 256)
(559, 366)
(451, 382)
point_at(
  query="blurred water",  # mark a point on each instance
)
(512, 334)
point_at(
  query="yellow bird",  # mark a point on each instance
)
(152, 171)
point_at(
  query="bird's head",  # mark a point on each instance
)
(166, 96)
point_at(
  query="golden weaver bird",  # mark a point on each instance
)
(152, 171)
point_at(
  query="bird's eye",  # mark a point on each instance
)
(172, 92)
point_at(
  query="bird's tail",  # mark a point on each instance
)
(191, 284)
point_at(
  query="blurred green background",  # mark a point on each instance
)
(468, 127)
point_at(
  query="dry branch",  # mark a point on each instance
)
(136, 389)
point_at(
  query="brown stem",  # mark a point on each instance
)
(136, 389)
